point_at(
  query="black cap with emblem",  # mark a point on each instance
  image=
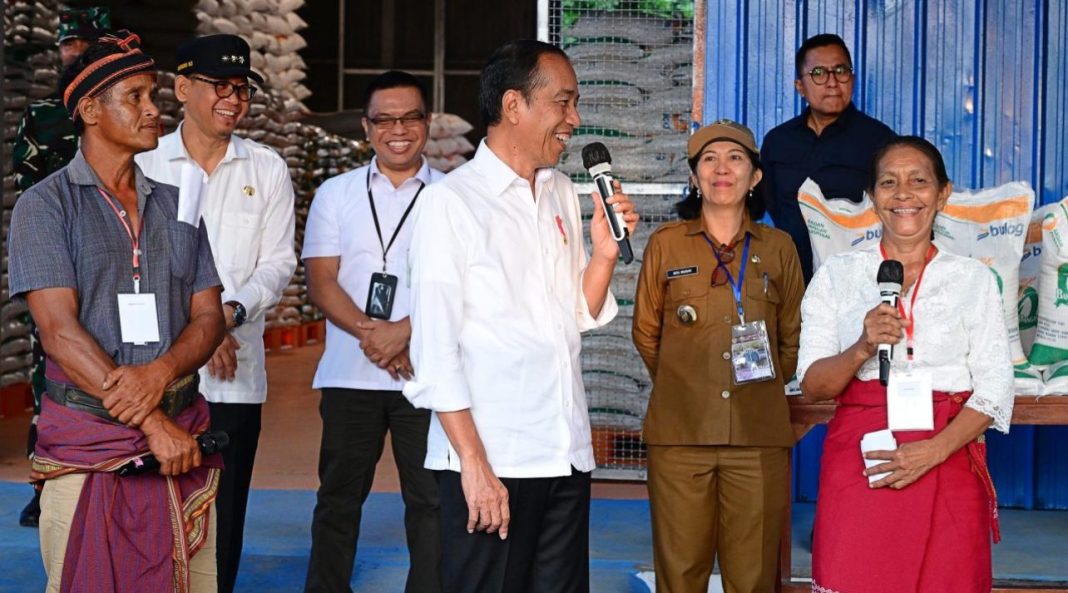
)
(218, 56)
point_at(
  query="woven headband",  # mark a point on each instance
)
(108, 70)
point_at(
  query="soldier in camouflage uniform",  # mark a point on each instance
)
(45, 143)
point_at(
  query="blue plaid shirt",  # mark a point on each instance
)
(64, 234)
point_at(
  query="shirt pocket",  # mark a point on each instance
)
(239, 240)
(687, 291)
(184, 243)
(763, 303)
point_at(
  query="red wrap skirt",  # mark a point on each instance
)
(931, 536)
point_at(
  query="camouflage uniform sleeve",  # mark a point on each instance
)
(29, 161)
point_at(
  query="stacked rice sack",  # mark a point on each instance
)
(1050, 348)
(635, 85)
(271, 29)
(315, 156)
(447, 146)
(30, 72)
(989, 225)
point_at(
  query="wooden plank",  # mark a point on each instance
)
(1028, 409)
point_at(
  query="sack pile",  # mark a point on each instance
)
(635, 85)
(314, 156)
(29, 73)
(447, 145)
(271, 29)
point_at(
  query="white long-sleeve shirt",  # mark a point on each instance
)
(959, 336)
(247, 207)
(497, 308)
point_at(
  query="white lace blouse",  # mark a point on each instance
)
(959, 336)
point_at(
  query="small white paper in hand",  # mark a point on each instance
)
(880, 440)
(190, 188)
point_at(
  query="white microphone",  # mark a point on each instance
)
(596, 159)
(890, 277)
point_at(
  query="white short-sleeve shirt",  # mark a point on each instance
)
(340, 224)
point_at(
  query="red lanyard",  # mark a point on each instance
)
(910, 326)
(134, 239)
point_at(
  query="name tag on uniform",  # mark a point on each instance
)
(138, 320)
(909, 403)
(751, 353)
(679, 272)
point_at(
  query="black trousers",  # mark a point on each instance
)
(548, 545)
(242, 423)
(354, 432)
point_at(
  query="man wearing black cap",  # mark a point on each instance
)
(46, 142)
(246, 201)
(126, 298)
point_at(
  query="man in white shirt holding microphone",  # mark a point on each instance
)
(501, 288)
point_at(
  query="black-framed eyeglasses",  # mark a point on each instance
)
(225, 88)
(408, 120)
(820, 74)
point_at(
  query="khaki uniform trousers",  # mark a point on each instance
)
(59, 500)
(728, 501)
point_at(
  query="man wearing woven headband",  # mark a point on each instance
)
(246, 200)
(127, 301)
(46, 142)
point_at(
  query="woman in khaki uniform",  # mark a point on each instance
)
(717, 323)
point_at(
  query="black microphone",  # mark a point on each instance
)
(890, 277)
(595, 157)
(209, 443)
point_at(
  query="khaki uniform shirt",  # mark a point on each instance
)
(694, 399)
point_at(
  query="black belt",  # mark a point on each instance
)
(176, 398)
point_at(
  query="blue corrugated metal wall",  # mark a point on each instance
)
(986, 81)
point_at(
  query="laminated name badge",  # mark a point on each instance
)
(909, 403)
(138, 321)
(751, 353)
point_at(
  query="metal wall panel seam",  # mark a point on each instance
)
(860, 52)
(919, 68)
(980, 95)
(743, 66)
(1038, 100)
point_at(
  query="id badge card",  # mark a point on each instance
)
(138, 320)
(909, 403)
(380, 295)
(751, 353)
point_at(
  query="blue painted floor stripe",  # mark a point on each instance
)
(277, 541)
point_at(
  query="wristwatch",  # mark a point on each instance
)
(240, 314)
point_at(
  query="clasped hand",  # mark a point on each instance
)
(132, 392)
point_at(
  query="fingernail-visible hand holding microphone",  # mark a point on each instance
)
(890, 277)
(596, 159)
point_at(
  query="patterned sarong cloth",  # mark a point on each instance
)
(931, 536)
(133, 534)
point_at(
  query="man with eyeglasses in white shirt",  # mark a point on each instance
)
(502, 286)
(245, 198)
(356, 257)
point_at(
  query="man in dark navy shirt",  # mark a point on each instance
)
(831, 141)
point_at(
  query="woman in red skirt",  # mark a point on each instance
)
(925, 524)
